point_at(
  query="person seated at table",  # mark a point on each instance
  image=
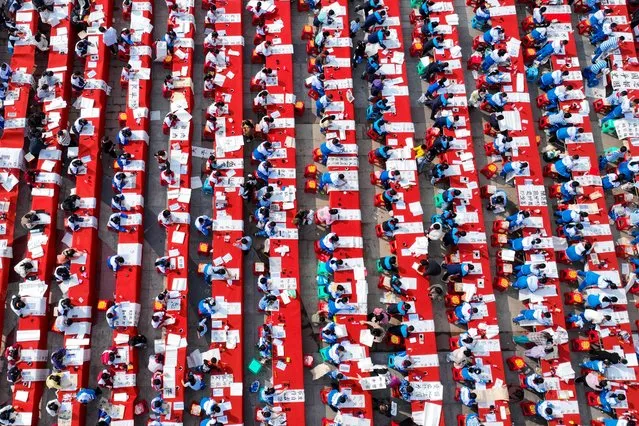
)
(265, 349)
(600, 301)
(467, 396)
(25, 267)
(339, 305)
(555, 47)
(439, 146)
(429, 28)
(170, 38)
(105, 378)
(593, 72)
(388, 177)
(436, 42)
(594, 380)
(496, 58)
(376, 18)
(449, 122)
(328, 333)
(530, 269)
(564, 166)
(322, 103)
(170, 121)
(334, 179)
(376, 110)
(390, 226)
(402, 330)
(76, 167)
(497, 201)
(603, 355)
(204, 224)
(388, 264)
(569, 191)
(44, 93)
(73, 223)
(452, 237)
(607, 47)
(609, 400)
(623, 109)
(578, 252)
(113, 314)
(331, 147)
(464, 313)
(207, 307)
(598, 35)
(327, 243)
(493, 35)
(18, 306)
(336, 354)
(473, 374)
(434, 68)
(538, 315)
(531, 283)
(377, 87)
(321, 38)
(599, 366)
(611, 181)
(437, 104)
(211, 41)
(546, 410)
(513, 168)
(438, 173)
(159, 407)
(263, 49)
(114, 222)
(5, 72)
(589, 317)
(517, 219)
(115, 262)
(497, 101)
(268, 302)
(527, 243)
(263, 151)
(535, 383)
(326, 16)
(326, 216)
(628, 169)
(378, 37)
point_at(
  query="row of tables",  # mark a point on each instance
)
(77, 339)
(532, 197)
(410, 243)
(611, 335)
(227, 327)
(477, 287)
(128, 279)
(32, 330)
(283, 248)
(173, 343)
(12, 140)
(350, 247)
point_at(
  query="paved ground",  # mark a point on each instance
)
(308, 137)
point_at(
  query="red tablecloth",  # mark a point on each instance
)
(45, 200)
(538, 206)
(12, 140)
(86, 239)
(349, 227)
(289, 314)
(474, 247)
(224, 239)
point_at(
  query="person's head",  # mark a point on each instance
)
(607, 317)
(546, 315)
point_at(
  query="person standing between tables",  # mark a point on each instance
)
(110, 38)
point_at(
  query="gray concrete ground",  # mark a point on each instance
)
(308, 137)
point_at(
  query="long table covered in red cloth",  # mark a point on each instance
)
(477, 287)
(77, 338)
(605, 261)
(615, 335)
(128, 278)
(228, 222)
(410, 245)
(33, 329)
(283, 251)
(12, 141)
(532, 197)
(350, 247)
